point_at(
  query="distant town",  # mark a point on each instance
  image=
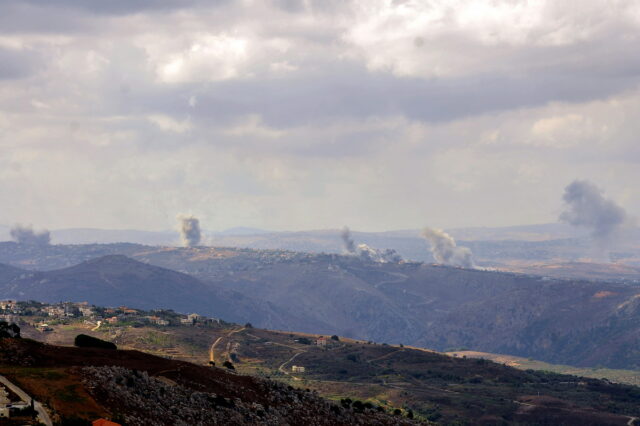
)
(42, 316)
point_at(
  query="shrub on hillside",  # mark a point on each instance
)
(84, 341)
(9, 330)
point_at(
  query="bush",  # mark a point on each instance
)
(228, 365)
(74, 421)
(336, 338)
(9, 330)
(84, 341)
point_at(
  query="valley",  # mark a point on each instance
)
(586, 323)
(443, 388)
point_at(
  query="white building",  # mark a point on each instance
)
(87, 311)
(4, 401)
(297, 369)
(8, 304)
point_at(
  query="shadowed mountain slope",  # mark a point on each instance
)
(117, 280)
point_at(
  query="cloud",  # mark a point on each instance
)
(376, 106)
(17, 63)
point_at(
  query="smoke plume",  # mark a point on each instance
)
(586, 206)
(189, 230)
(26, 235)
(349, 244)
(445, 250)
(367, 253)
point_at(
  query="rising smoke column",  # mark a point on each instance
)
(189, 230)
(367, 253)
(26, 235)
(445, 250)
(586, 206)
(349, 244)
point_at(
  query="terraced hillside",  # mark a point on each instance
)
(433, 386)
(79, 385)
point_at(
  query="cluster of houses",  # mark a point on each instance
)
(43, 315)
(7, 407)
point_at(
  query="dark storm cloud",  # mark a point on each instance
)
(115, 7)
(358, 94)
(328, 88)
(16, 64)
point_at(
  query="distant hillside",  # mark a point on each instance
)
(491, 246)
(116, 280)
(106, 236)
(435, 387)
(140, 389)
(576, 322)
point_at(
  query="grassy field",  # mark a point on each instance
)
(631, 377)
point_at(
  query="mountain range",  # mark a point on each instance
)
(575, 322)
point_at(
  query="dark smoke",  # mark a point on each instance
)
(349, 244)
(445, 250)
(189, 230)
(26, 235)
(586, 206)
(367, 253)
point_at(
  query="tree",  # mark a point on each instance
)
(84, 341)
(228, 365)
(9, 330)
(336, 338)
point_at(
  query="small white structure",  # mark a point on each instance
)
(4, 401)
(8, 304)
(297, 369)
(87, 311)
(43, 327)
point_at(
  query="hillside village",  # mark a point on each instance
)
(42, 316)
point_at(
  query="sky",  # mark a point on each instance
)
(290, 115)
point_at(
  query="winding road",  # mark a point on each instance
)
(399, 278)
(43, 416)
(282, 369)
(214, 344)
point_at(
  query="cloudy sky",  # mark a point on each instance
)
(376, 114)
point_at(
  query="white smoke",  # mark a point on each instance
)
(445, 250)
(26, 235)
(189, 227)
(586, 206)
(365, 252)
